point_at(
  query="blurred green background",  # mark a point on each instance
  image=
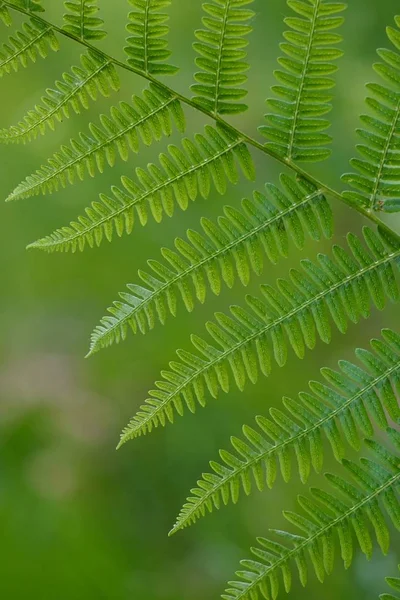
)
(79, 520)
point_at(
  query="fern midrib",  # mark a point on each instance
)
(304, 433)
(303, 79)
(320, 533)
(53, 111)
(232, 350)
(219, 63)
(388, 142)
(25, 187)
(365, 211)
(24, 49)
(211, 257)
(144, 196)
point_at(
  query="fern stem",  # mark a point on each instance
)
(365, 211)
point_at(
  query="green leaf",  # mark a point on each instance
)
(293, 315)
(295, 129)
(232, 248)
(222, 56)
(147, 48)
(343, 407)
(95, 75)
(82, 21)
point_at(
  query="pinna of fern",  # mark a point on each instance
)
(394, 583)
(146, 118)
(82, 21)
(147, 48)
(34, 39)
(345, 407)
(294, 314)
(210, 161)
(221, 49)
(348, 513)
(376, 184)
(295, 129)
(231, 249)
(83, 83)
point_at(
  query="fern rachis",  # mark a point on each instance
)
(298, 310)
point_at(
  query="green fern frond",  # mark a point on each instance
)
(221, 47)
(29, 5)
(377, 181)
(147, 118)
(294, 315)
(96, 74)
(147, 48)
(82, 20)
(234, 247)
(33, 40)
(371, 501)
(184, 173)
(295, 127)
(394, 583)
(5, 16)
(345, 408)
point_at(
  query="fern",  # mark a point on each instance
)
(147, 49)
(232, 248)
(332, 291)
(345, 406)
(292, 315)
(377, 181)
(34, 39)
(295, 127)
(81, 21)
(394, 583)
(184, 173)
(147, 117)
(372, 500)
(74, 92)
(221, 56)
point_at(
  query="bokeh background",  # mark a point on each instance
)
(79, 520)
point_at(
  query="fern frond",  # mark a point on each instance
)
(232, 248)
(147, 118)
(377, 181)
(96, 74)
(295, 127)
(5, 16)
(394, 583)
(147, 48)
(82, 20)
(345, 405)
(183, 174)
(221, 46)
(371, 501)
(34, 39)
(29, 5)
(293, 315)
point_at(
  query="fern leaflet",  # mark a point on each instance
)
(147, 117)
(295, 127)
(353, 397)
(33, 40)
(394, 583)
(83, 83)
(371, 501)
(82, 20)
(147, 48)
(234, 247)
(294, 315)
(29, 5)
(221, 48)
(5, 16)
(184, 173)
(377, 181)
